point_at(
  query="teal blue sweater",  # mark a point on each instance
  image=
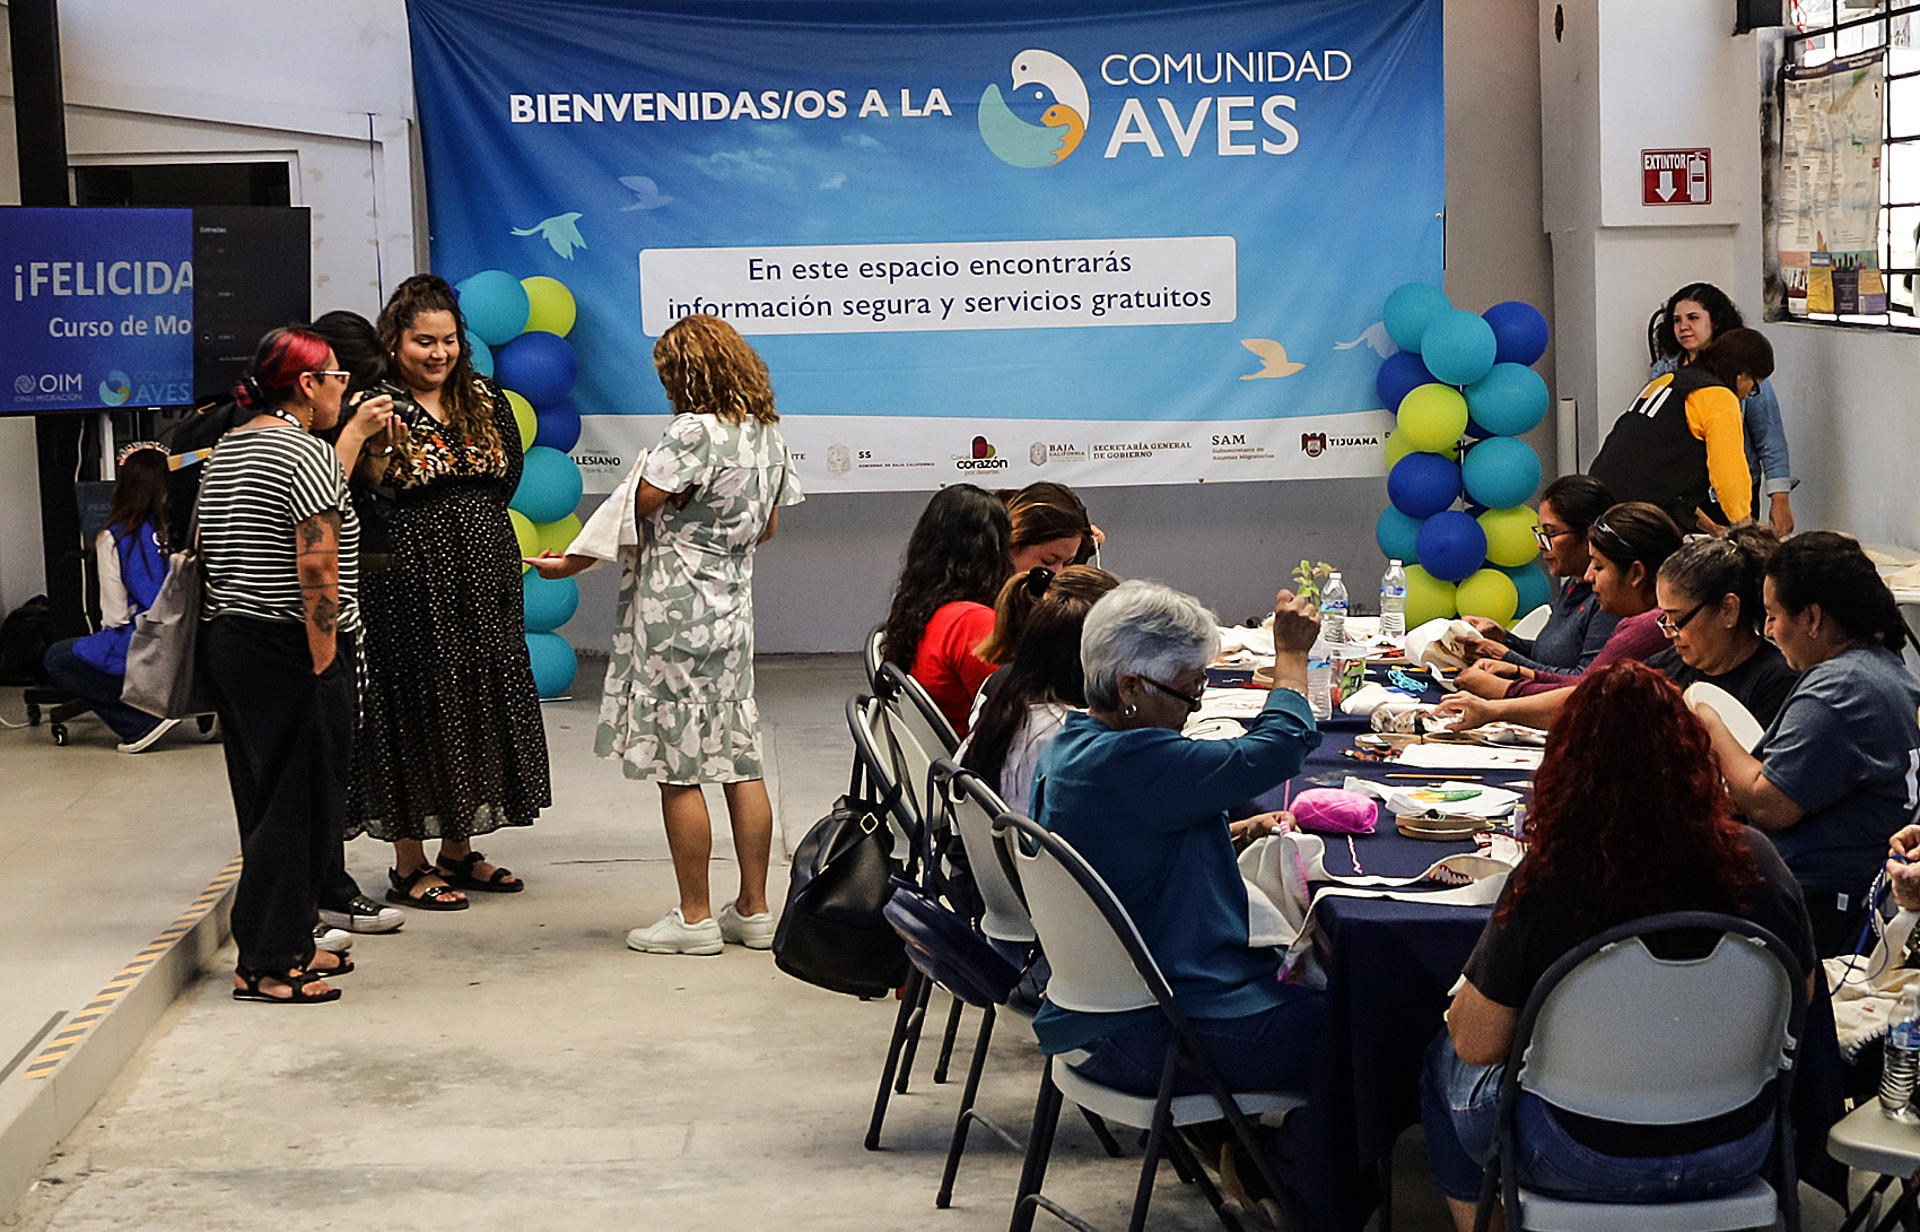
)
(1148, 809)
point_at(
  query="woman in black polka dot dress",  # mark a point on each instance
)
(451, 744)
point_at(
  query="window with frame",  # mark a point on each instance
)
(1845, 202)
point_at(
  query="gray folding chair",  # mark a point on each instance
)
(1871, 1141)
(876, 656)
(1102, 965)
(1614, 1033)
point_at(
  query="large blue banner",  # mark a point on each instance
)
(1112, 243)
(98, 311)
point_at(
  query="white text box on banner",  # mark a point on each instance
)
(892, 288)
(888, 453)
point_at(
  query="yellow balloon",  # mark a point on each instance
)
(524, 417)
(1510, 540)
(1489, 593)
(1432, 418)
(1428, 598)
(524, 534)
(555, 536)
(1397, 447)
(551, 304)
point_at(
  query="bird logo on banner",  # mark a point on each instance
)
(647, 194)
(1037, 76)
(561, 233)
(1273, 359)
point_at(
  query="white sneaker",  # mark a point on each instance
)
(159, 729)
(673, 935)
(753, 931)
(333, 940)
(363, 915)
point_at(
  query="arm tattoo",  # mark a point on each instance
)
(313, 532)
(323, 612)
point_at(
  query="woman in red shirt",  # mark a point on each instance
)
(956, 560)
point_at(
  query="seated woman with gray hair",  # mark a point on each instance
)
(1148, 809)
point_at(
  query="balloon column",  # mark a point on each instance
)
(1461, 374)
(516, 330)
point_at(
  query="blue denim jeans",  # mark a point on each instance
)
(1459, 1104)
(1269, 1051)
(69, 673)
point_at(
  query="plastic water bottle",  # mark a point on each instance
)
(1320, 677)
(1902, 1058)
(1393, 604)
(1333, 613)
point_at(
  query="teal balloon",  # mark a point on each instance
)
(1535, 587)
(1398, 536)
(553, 663)
(1410, 310)
(1452, 545)
(1501, 472)
(1510, 400)
(1458, 347)
(550, 486)
(479, 354)
(549, 602)
(495, 305)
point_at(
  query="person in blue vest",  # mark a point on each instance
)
(130, 556)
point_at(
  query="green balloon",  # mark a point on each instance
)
(556, 536)
(1397, 447)
(1510, 540)
(524, 535)
(1433, 418)
(1428, 598)
(1489, 593)
(523, 417)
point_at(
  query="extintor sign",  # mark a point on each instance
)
(1676, 177)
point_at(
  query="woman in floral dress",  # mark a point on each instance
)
(678, 703)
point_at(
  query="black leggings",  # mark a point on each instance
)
(289, 743)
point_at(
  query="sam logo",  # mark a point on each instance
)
(984, 457)
(1313, 444)
(1232, 438)
(1047, 89)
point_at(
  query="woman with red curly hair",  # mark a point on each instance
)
(1604, 850)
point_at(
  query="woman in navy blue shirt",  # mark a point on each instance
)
(1148, 809)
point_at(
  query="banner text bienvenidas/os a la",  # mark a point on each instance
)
(1148, 246)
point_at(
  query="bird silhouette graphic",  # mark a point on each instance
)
(647, 194)
(1273, 359)
(1376, 337)
(560, 232)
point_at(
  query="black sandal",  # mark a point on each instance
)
(459, 874)
(433, 898)
(297, 984)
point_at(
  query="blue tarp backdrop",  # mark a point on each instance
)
(1102, 244)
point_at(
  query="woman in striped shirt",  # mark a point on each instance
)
(280, 543)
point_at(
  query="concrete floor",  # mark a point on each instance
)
(513, 1063)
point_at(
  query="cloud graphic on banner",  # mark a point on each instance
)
(560, 232)
(864, 141)
(1273, 359)
(1062, 125)
(647, 194)
(837, 180)
(1375, 337)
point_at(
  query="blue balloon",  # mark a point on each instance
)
(1396, 533)
(1501, 472)
(1521, 334)
(1422, 484)
(1458, 347)
(559, 426)
(1535, 587)
(1452, 546)
(479, 354)
(495, 305)
(553, 663)
(1510, 400)
(539, 366)
(1410, 309)
(549, 602)
(550, 486)
(1400, 374)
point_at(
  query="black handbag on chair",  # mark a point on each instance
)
(834, 931)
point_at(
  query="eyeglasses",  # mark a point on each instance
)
(1191, 699)
(1545, 537)
(1624, 551)
(1670, 626)
(344, 376)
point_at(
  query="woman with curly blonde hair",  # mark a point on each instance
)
(678, 704)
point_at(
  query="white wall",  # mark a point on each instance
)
(142, 81)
